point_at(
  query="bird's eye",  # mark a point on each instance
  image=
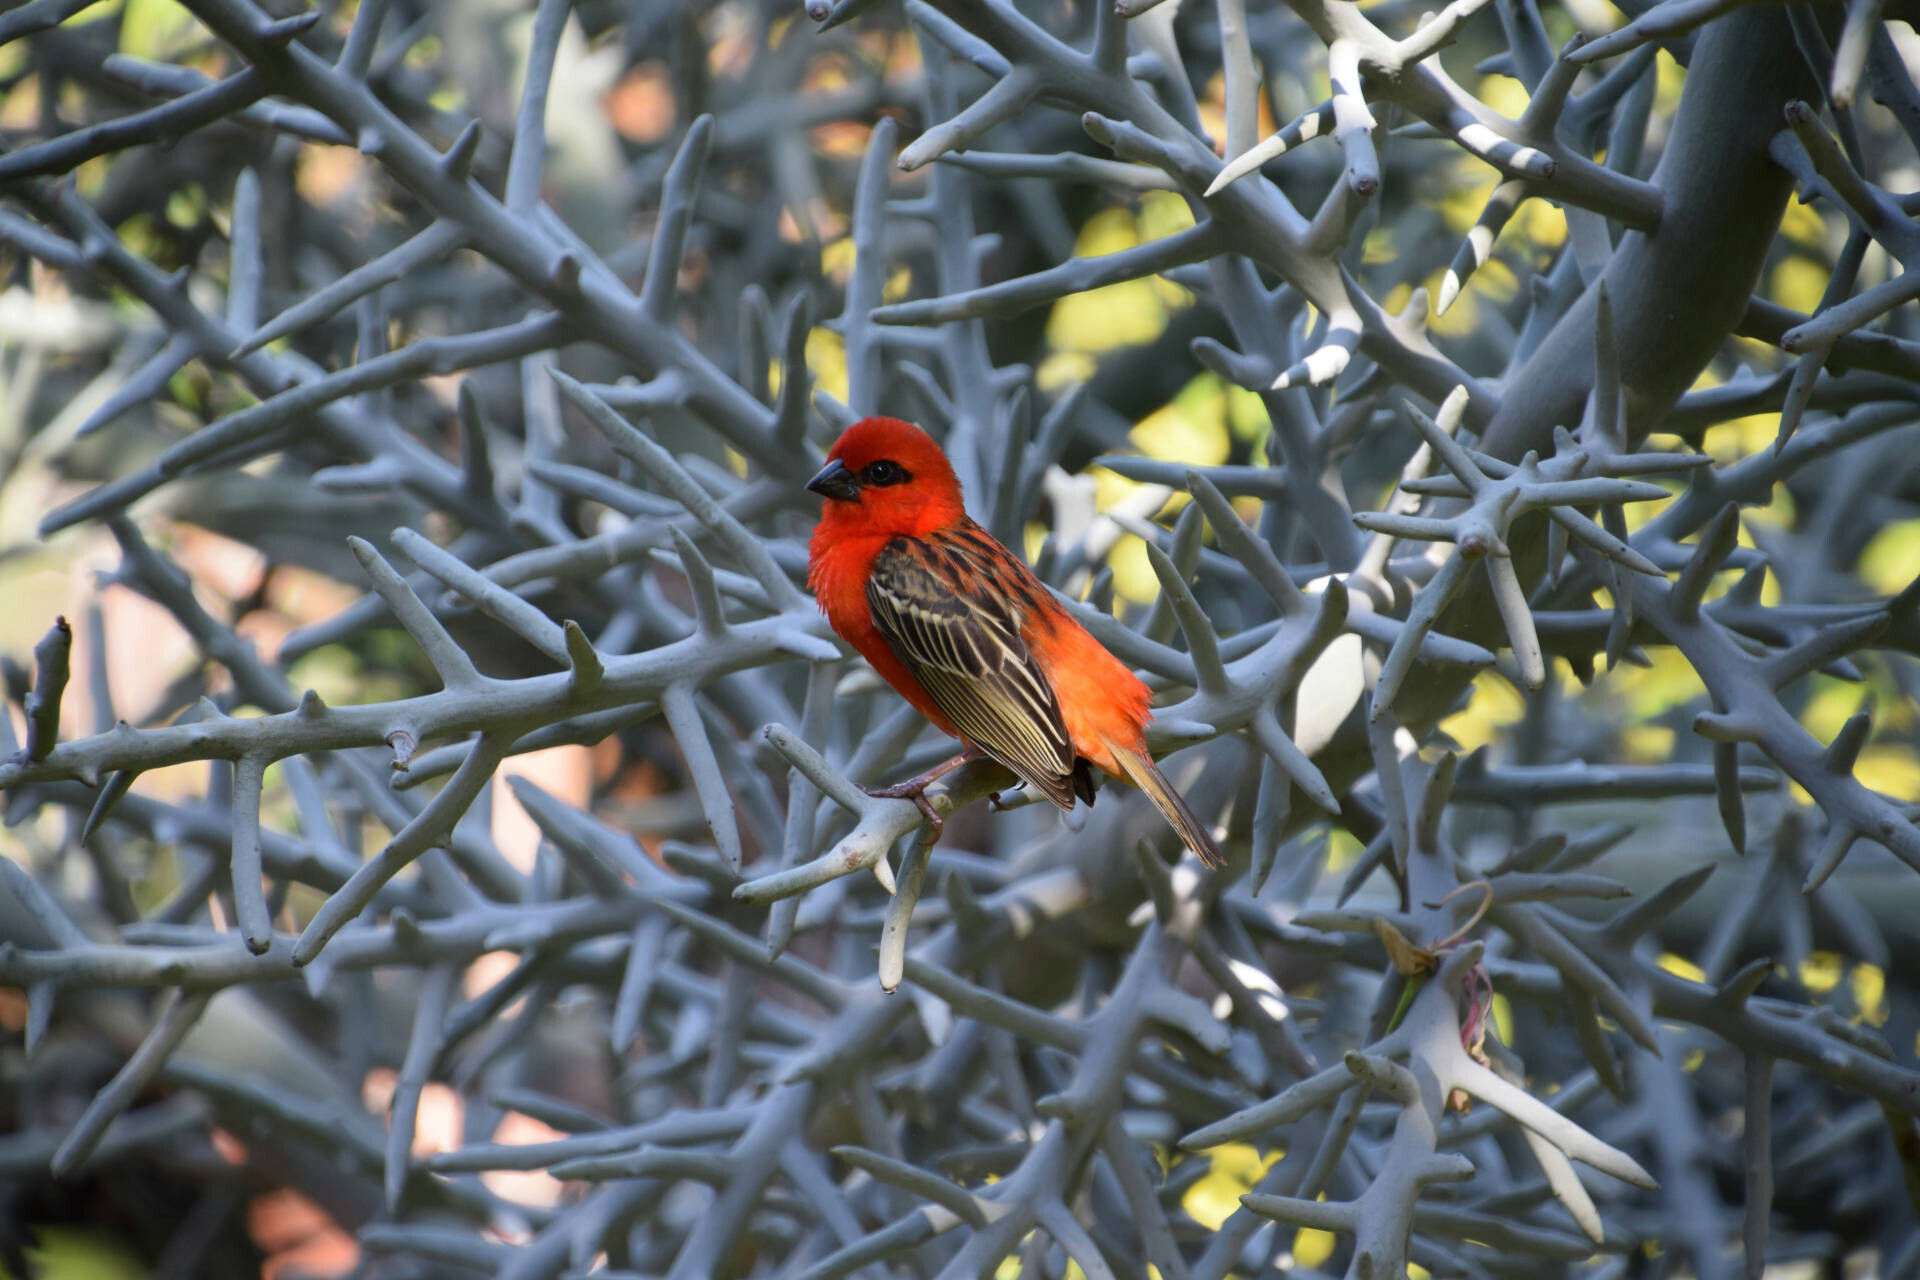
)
(884, 472)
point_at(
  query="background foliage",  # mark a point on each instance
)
(433, 842)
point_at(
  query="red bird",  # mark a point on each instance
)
(964, 631)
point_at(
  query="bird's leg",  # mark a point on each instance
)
(915, 789)
(920, 782)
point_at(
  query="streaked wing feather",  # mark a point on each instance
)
(967, 653)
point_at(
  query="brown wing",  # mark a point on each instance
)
(965, 649)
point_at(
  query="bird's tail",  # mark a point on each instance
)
(1145, 774)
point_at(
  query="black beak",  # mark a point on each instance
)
(835, 481)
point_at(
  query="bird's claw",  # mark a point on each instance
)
(995, 803)
(935, 823)
(918, 794)
(915, 789)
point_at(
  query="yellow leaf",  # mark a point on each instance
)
(185, 205)
(1832, 702)
(1803, 225)
(1162, 213)
(1869, 983)
(1681, 967)
(1212, 1200)
(1493, 705)
(827, 361)
(1648, 692)
(1243, 1160)
(1739, 438)
(1128, 314)
(1343, 850)
(1379, 248)
(155, 29)
(1190, 428)
(1798, 282)
(1133, 577)
(1820, 972)
(1545, 224)
(1110, 487)
(836, 259)
(1062, 369)
(1503, 1017)
(1891, 769)
(1462, 318)
(1669, 77)
(1311, 1246)
(69, 1253)
(1504, 94)
(1108, 231)
(1247, 418)
(1646, 743)
(1467, 191)
(1232, 1171)
(1892, 559)
(1496, 282)
(1777, 512)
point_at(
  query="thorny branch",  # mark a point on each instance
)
(598, 534)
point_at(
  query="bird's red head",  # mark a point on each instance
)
(887, 477)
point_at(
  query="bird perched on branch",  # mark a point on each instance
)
(966, 633)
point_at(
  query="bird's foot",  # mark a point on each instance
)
(995, 803)
(915, 789)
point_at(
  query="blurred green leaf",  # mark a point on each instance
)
(154, 28)
(67, 1253)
